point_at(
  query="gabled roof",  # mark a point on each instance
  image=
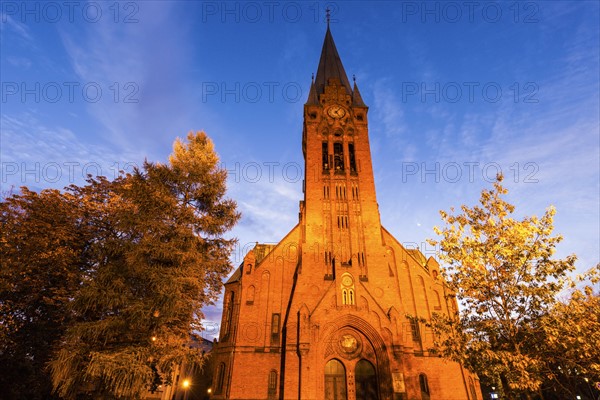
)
(236, 275)
(261, 250)
(418, 256)
(330, 66)
(415, 254)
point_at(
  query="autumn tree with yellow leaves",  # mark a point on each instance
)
(569, 338)
(503, 274)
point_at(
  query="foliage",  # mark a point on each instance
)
(43, 247)
(142, 253)
(568, 340)
(503, 274)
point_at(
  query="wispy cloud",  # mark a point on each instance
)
(389, 117)
(142, 67)
(269, 209)
(548, 151)
(15, 26)
(19, 62)
(40, 156)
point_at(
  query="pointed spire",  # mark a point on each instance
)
(313, 99)
(356, 97)
(330, 65)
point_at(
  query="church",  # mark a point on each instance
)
(327, 312)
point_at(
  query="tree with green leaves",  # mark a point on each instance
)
(150, 255)
(503, 273)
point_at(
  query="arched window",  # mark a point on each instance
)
(335, 380)
(422, 289)
(272, 385)
(415, 330)
(227, 316)
(437, 305)
(251, 292)
(424, 386)
(220, 378)
(366, 381)
(338, 157)
(347, 286)
(352, 158)
(275, 328)
(325, 156)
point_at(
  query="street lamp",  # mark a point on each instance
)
(186, 385)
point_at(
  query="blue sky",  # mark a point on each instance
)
(457, 91)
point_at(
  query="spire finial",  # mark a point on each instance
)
(327, 15)
(354, 78)
(312, 78)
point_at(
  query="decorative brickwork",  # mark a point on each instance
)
(324, 312)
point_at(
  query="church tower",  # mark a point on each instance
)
(326, 312)
(340, 208)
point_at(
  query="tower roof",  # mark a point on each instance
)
(330, 66)
(356, 97)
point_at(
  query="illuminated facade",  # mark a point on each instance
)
(323, 314)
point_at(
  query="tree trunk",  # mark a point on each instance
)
(540, 393)
(508, 393)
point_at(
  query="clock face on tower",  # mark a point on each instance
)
(336, 112)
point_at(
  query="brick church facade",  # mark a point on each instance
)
(323, 313)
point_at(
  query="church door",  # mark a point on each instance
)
(335, 380)
(366, 381)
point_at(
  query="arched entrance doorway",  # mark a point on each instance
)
(335, 380)
(366, 381)
(352, 346)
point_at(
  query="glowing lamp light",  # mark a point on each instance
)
(186, 383)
